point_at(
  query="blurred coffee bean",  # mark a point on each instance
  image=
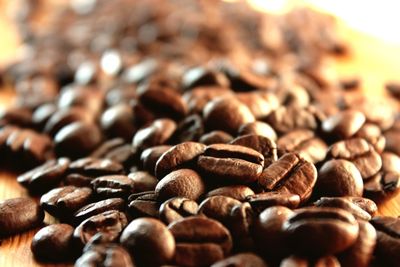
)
(200, 76)
(42, 114)
(177, 208)
(118, 121)
(376, 111)
(258, 128)
(198, 97)
(113, 186)
(373, 135)
(392, 137)
(296, 261)
(98, 207)
(393, 88)
(239, 192)
(345, 204)
(262, 201)
(157, 133)
(218, 208)
(105, 255)
(241, 260)
(21, 117)
(189, 129)
(366, 204)
(215, 137)
(150, 156)
(143, 204)
(80, 96)
(261, 104)
(143, 181)
(343, 124)
(106, 147)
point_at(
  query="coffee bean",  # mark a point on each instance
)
(393, 88)
(180, 183)
(105, 255)
(218, 208)
(321, 231)
(81, 96)
(366, 204)
(18, 215)
(53, 243)
(296, 261)
(113, 186)
(95, 167)
(143, 181)
(200, 76)
(376, 111)
(304, 143)
(106, 147)
(189, 129)
(338, 178)
(290, 174)
(373, 135)
(359, 152)
(21, 117)
(259, 128)
(177, 157)
(216, 137)
(260, 103)
(244, 80)
(147, 233)
(231, 163)
(388, 240)
(62, 202)
(45, 177)
(177, 208)
(200, 241)
(240, 223)
(118, 121)
(150, 156)
(345, 204)
(262, 201)
(110, 223)
(197, 98)
(98, 207)
(143, 204)
(262, 144)
(241, 260)
(343, 124)
(42, 114)
(239, 192)
(227, 114)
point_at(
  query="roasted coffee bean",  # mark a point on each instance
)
(392, 138)
(290, 174)
(216, 137)
(200, 241)
(77, 139)
(239, 192)
(143, 181)
(241, 260)
(377, 111)
(177, 208)
(143, 204)
(18, 215)
(106, 147)
(258, 128)
(244, 80)
(361, 252)
(359, 152)
(388, 240)
(53, 243)
(262, 144)
(81, 96)
(200, 76)
(21, 117)
(98, 207)
(105, 255)
(296, 261)
(227, 114)
(150, 156)
(110, 223)
(218, 208)
(180, 183)
(118, 121)
(366, 204)
(45, 177)
(343, 124)
(321, 231)
(189, 129)
(337, 178)
(62, 202)
(373, 135)
(147, 233)
(95, 167)
(241, 220)
(231, 163)
(125, 155)
(304, 143)
(42, 114)
(262, 201)
(157, 133)
(260, 103)
(197, 98)
(345, 204)
(113, 186)
(268, 233)
(177, 157)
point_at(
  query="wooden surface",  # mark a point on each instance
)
(372, 60)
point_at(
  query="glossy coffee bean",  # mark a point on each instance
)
(113, 186)
(345, 204)
(98, 207)
(216, 137)
(199, 76)
(241, 260)
(189, 129)
(239, 192)
(150, 156)
(18, 215)
(262, 201)
(343, 124)
(118, 121)
(259, 128)
(105, 255)
(198, 97)
(143, 181)
(143, 204)
(177, 208)
(260, 103)
(218, 208)
(144, 234)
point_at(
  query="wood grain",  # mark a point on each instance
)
(372, 60)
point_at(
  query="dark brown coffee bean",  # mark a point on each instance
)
(113, 186)
(18, 215)
(262, 201)
(245, 80)
(77, 139)
(45, 177)
(359, 152)
(147, 233)
(260, 103)
(343, 124)
(231, 163)
(53, 243)
(19, 116)
(143, 204)
(110, 223)
(338, 178)
(218, 208)
(62, 202)
(150, 156)
(304, 143)
(200, 76)
(321, 231)
(105, 255)
(81, 96)
(262, 144)
(180, 183)
(240, 223)
(258, 128)
(360, 254)
(177, 157)
(388, 240)
(197, 98)
(95, 167)
(118, 121)
(200, 241)
(177, 208)
(268, 234)
(42, 114)
(241, 260)
(345, 204)
(189, 129)
(290, 174)
(143, 181)
(98, 207)
(373, 135)
(216, 137)
(106, 147)
(226, 114)
(157, 133)
(239, 192)
(296, 261)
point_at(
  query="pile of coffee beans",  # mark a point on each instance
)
(196, 133)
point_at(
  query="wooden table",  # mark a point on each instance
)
(372, 60)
